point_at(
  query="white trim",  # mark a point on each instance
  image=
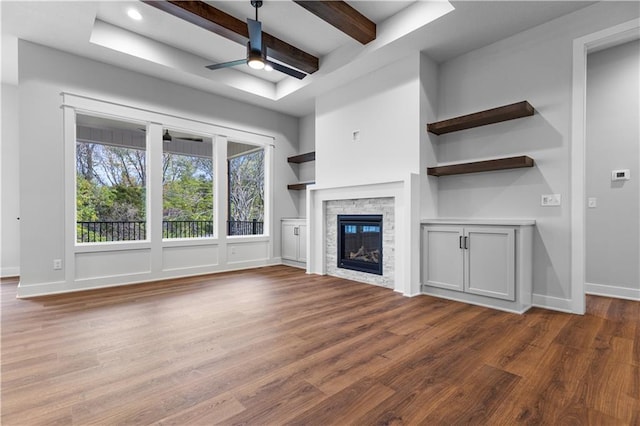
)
(70, 211)
(11, 271)
(407, 222)
(581, 46)
(154, 122)
(182, 242)
(479, 221)
(409, 294)
(83, 101)
(612, 291)
(112, 246)
(476, 303)
(62, 287)
(293, 263)
(553, 303)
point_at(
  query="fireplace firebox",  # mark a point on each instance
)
(360, 243)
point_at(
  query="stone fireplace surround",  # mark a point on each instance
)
(398, 202)
(383, 206)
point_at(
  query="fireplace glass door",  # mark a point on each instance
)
(360, 243)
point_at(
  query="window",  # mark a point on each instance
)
(111, 168)
(187, 186)
(246, 189)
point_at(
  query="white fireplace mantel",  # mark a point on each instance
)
(406, 195)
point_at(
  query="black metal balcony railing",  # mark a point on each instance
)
(245, 227)
(187, 228)
(99, 231)
(91, 232)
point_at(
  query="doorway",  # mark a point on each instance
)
(616, 35)
(612, 158)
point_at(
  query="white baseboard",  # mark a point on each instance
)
(409, 294)
(43, 289)
(553, 303)
(612, 291)
(295, 264)
(61, 287)
(11, 271)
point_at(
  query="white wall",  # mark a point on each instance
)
(307, 141)
(384, 107)
(44, 74)
(535, 65)
(612, 142)
(306, 171)
(429, 80)
(10, 181)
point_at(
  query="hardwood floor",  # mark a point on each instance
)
(275, 346)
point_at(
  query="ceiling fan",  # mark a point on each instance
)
(256, 51)
(166, 137)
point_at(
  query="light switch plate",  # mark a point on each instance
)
(592, 202)
(547, 200)
(622, 174)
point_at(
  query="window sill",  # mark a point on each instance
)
(242, 238)
(184, 242)
(112, 246)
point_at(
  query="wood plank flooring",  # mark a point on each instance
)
(274, 346)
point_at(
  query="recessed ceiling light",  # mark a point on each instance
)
(134, 14)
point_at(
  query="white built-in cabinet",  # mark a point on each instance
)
(294, 242)
(485, 262)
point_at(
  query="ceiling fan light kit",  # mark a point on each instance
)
(166, 137)
(256, 51)
(255, 59)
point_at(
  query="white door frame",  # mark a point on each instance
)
(609, 37)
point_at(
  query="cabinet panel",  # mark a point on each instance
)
(302, 243)
(495, 262)
(289, 241)
(443, 257)
(490, 261)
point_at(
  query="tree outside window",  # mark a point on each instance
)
(111, 166)
(111, 184)
(187, 186)
(246, 189)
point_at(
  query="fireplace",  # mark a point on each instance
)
(360, 243)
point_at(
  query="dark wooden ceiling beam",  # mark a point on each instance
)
(343, 17)
(210, 18)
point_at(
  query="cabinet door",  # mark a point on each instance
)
(289, 241)
(302, 243)
(490, 262)
(443, 257)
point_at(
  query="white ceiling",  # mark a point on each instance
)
(167, 47)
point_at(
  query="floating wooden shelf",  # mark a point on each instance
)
(302, 158)
(482, 118)
(482, 166)
(299, 186)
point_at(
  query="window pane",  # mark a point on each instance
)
(246, 189)
(187, 186)
(110, 180)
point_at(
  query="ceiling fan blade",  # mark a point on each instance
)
(191, 139)
(226, 64)
(289, 71)
(255, 34)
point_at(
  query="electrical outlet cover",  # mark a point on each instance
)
(547, 200)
